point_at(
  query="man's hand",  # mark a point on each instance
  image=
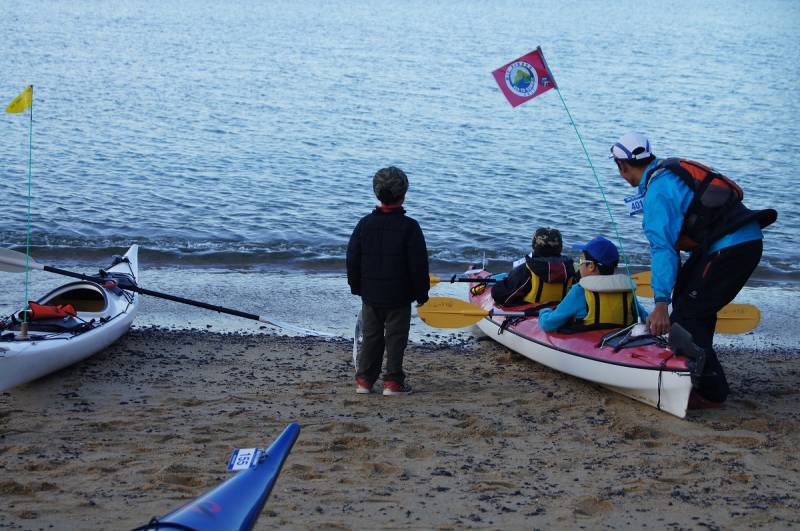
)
(658, 320)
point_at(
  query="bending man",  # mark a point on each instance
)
(690, 207)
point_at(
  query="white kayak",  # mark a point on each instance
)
(104, 313)
(650, 373)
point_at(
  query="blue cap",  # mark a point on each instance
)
(602, 250)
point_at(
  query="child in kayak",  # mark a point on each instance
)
(601, 299)
(543, 276)
(387, 266)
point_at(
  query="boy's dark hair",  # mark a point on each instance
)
(390, 184)
(602, 268)
(547, 242)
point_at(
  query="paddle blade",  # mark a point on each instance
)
(642, 281)
(448, 312)
(434, 279)
(737, 319)
(14, 262)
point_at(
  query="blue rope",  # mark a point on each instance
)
(28, 231)
(608, 208)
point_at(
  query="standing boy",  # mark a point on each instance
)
(387, 265)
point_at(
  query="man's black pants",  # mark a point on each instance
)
(705, 284)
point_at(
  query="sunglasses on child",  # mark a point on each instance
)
(582, 260)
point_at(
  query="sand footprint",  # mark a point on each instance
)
(592, 506)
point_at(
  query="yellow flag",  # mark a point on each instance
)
(21, 102)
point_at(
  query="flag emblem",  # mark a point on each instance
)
(521, 79)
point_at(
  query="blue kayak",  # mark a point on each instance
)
(236, 503)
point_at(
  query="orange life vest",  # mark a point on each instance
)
(40, 312)
(715, 210)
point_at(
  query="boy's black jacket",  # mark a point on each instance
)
(387, 260)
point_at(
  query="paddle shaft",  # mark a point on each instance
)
(487, 280)
(167, 296)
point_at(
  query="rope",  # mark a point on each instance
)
(28, 230)
(608, 208)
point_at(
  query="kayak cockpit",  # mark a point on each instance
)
(83, 296)
(89, 301)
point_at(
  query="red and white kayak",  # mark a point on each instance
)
(649, 373)
(104, 314)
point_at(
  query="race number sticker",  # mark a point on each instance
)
(244, 458)
(635, 204)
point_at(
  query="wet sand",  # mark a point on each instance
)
(489, 439)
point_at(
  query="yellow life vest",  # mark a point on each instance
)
(608, 298)
(546, 291)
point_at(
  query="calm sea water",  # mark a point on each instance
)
(245, 134)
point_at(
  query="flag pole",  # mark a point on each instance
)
(18, 105)
(24, 325)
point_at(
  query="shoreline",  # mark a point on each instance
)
(488, 439)
(324, 303)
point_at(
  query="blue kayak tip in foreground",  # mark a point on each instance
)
(236, 503)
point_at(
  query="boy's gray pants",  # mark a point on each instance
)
(383, 329)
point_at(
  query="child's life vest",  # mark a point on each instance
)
(609, 299)
(551, 278)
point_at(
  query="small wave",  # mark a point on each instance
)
(292, 256)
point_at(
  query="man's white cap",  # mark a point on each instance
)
(631, 146)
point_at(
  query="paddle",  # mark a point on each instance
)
(737, 319)
(642, 281)
(455, 278)
(14, 262)
(732, 319)
(448, 312)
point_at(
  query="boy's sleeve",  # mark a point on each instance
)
(418, 264)
(513, 288)
(665, 204)
(572, 307)
(354, 261)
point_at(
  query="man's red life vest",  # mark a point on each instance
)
(715, 210)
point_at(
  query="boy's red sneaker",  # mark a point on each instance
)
(363, 387)
(392, 388)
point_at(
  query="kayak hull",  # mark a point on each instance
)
(650, 374)
(22, 361)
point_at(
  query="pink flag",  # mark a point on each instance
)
(525, 78)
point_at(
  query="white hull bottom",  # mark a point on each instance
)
(666, 390)
(39, 358)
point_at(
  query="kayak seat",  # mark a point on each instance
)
(82, 299)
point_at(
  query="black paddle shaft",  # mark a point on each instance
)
(483, 280)
(128, 284)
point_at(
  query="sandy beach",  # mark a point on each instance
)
(489, 439)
